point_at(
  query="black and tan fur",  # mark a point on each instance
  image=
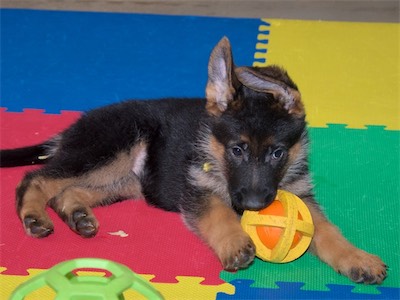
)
(208, 159)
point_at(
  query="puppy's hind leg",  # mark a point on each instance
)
(74, 204)
(32, 197)
(115, 181)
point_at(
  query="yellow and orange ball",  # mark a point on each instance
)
(283, 231)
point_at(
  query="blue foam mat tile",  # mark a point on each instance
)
(293, 290)
(59, 60)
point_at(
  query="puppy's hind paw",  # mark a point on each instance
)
(36, 227)
(84, 223)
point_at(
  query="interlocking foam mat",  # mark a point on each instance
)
(54, 65)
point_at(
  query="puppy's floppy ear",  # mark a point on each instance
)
(222, 81)
(275, 81)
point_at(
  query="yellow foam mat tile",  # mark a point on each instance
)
(186, 288)
(191, 288)
(347, 72)
(9, 283)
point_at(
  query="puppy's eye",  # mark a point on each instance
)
(237, 151)
(277, 154)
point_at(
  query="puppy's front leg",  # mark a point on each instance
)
(218, 225)
(333, 248)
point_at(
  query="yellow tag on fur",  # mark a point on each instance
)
(207, 167)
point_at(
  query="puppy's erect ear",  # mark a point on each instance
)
(275, 81)
(222, 81)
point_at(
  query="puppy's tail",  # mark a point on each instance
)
(32, 155)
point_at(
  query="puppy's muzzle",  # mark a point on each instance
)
(255, 200)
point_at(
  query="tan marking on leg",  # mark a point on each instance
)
(33, 215)
(127, 187)
(332, 247)
(221, 229)
(32, 211)
(75, 197)
(38, 194)
(74, 207)
(124, 164)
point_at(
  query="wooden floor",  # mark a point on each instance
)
(340, 10)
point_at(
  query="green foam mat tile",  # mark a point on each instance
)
(356, 176)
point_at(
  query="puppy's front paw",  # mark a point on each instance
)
(362, 267)
(238, 252)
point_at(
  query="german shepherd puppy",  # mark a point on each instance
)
(208, 159)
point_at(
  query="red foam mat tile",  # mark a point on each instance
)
(157, 243)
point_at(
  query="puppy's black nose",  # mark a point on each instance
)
(256, 200)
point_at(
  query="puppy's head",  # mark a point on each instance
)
(258, 121)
